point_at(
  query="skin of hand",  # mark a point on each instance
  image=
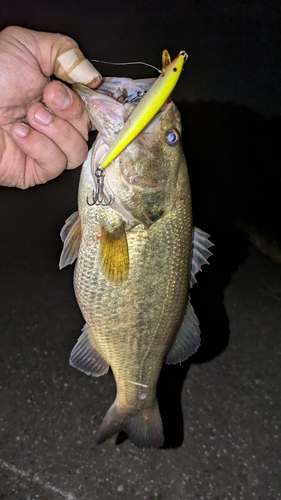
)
(43, 124)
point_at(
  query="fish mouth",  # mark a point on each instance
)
(125, 89)
(132, 178)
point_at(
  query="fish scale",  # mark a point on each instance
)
(114, 342)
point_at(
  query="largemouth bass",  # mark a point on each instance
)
(134, 240)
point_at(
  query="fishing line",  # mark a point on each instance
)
(126, 63)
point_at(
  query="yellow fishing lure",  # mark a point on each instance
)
(148, 106)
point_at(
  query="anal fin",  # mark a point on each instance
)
(85, 356)
(114, 255)
(187, 340)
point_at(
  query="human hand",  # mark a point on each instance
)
(38, 140)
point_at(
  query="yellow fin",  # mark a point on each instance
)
(166, 59)
(114, 255)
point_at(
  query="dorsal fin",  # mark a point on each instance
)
(71, 237)
(187, 339)
(200, 252)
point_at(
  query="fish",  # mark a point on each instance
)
(137, 254)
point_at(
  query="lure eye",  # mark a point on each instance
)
(172, 137)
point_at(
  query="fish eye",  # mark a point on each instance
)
(172, 137)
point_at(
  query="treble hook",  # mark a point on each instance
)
(135, 99)
(97, 196)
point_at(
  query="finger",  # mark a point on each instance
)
(56, 53)
(60, 54)
(10, 159)
(66, 104)
(61, 132)
(45, 160)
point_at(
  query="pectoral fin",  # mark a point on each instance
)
(71, 237)
(187, 340)
(85, 356)
(114, 255)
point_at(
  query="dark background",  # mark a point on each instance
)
(233, 46)
(229, 98)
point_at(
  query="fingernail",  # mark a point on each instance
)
(43, 116)
(62, 98)
(21, 130)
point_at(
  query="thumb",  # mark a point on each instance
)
(69, 64)
(60, 55)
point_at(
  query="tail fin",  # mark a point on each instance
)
(143, 427)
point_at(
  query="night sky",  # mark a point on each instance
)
(233, 46)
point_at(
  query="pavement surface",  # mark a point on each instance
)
(221, 411)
